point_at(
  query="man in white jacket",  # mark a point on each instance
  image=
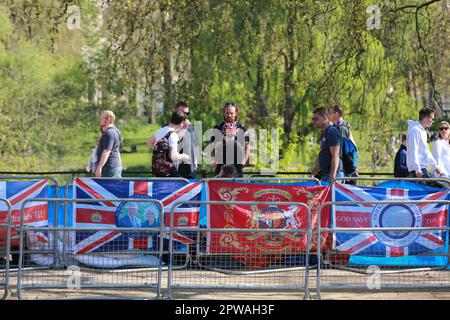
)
(418, 155)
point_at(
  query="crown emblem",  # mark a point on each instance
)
(96, 217)
(183, 220)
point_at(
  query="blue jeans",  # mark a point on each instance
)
(112, 172)
(326, 177)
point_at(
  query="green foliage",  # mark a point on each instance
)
(277, 59)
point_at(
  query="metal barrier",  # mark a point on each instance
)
(286, 270)
(199, 276)
(337, 276)
(186, 181)
(252, 179)
(5, 252)
(14, 228)
(59, 278)
(424, 180)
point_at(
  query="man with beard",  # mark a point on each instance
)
(231, 142)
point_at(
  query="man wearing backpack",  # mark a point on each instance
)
(330, 163)
(109, 163)
(164, 143)
(349, 151)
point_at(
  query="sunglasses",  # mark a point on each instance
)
(443, 128)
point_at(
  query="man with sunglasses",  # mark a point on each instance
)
(329, 164)
(418, 155)
(230, 142)
(441, 148)
(186, 144)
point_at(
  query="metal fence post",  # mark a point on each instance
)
(8, 246)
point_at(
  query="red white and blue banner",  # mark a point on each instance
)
(35, 213)
(388, 243)
(265, 216)
(111, 215)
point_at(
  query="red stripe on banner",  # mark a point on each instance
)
(397, 192)
(42, 239)
(93, 192)
(98, 242)
(433, 238)
(181, 193)
(437, 219)
(95, 216)
(182, 239)
(397, 252)
(354, 196)
(31, 214)
(434, 196)
(361, 244)
(28, 192)
(347, 219)
(140, 187)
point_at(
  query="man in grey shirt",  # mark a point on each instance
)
(186, 143)
(109, 163)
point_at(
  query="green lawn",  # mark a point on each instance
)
(138, 131)
(137, 134)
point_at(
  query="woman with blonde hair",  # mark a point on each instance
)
(441, 148)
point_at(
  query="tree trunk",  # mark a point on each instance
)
(261, 107)
(289, 78)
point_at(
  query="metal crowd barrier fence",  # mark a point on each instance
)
(340, 274)
(5, 249)
(70, 182)
(263, 179)
(419, 180)
(93, 275)
(14, 252)
(273, 276)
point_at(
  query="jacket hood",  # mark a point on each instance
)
(412, 124)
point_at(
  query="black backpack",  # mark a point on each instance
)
(162, 165)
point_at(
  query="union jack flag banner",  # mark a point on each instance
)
(116, 215)
(36, 213)
(388, 243)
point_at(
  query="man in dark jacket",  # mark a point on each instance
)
(400, 168)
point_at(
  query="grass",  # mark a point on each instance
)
(137, 134)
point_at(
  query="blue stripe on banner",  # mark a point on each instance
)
(60, 206)
(203, 208)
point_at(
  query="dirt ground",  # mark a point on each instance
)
(242, 285)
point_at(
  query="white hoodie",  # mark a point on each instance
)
(418, 155)
(441, 153)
